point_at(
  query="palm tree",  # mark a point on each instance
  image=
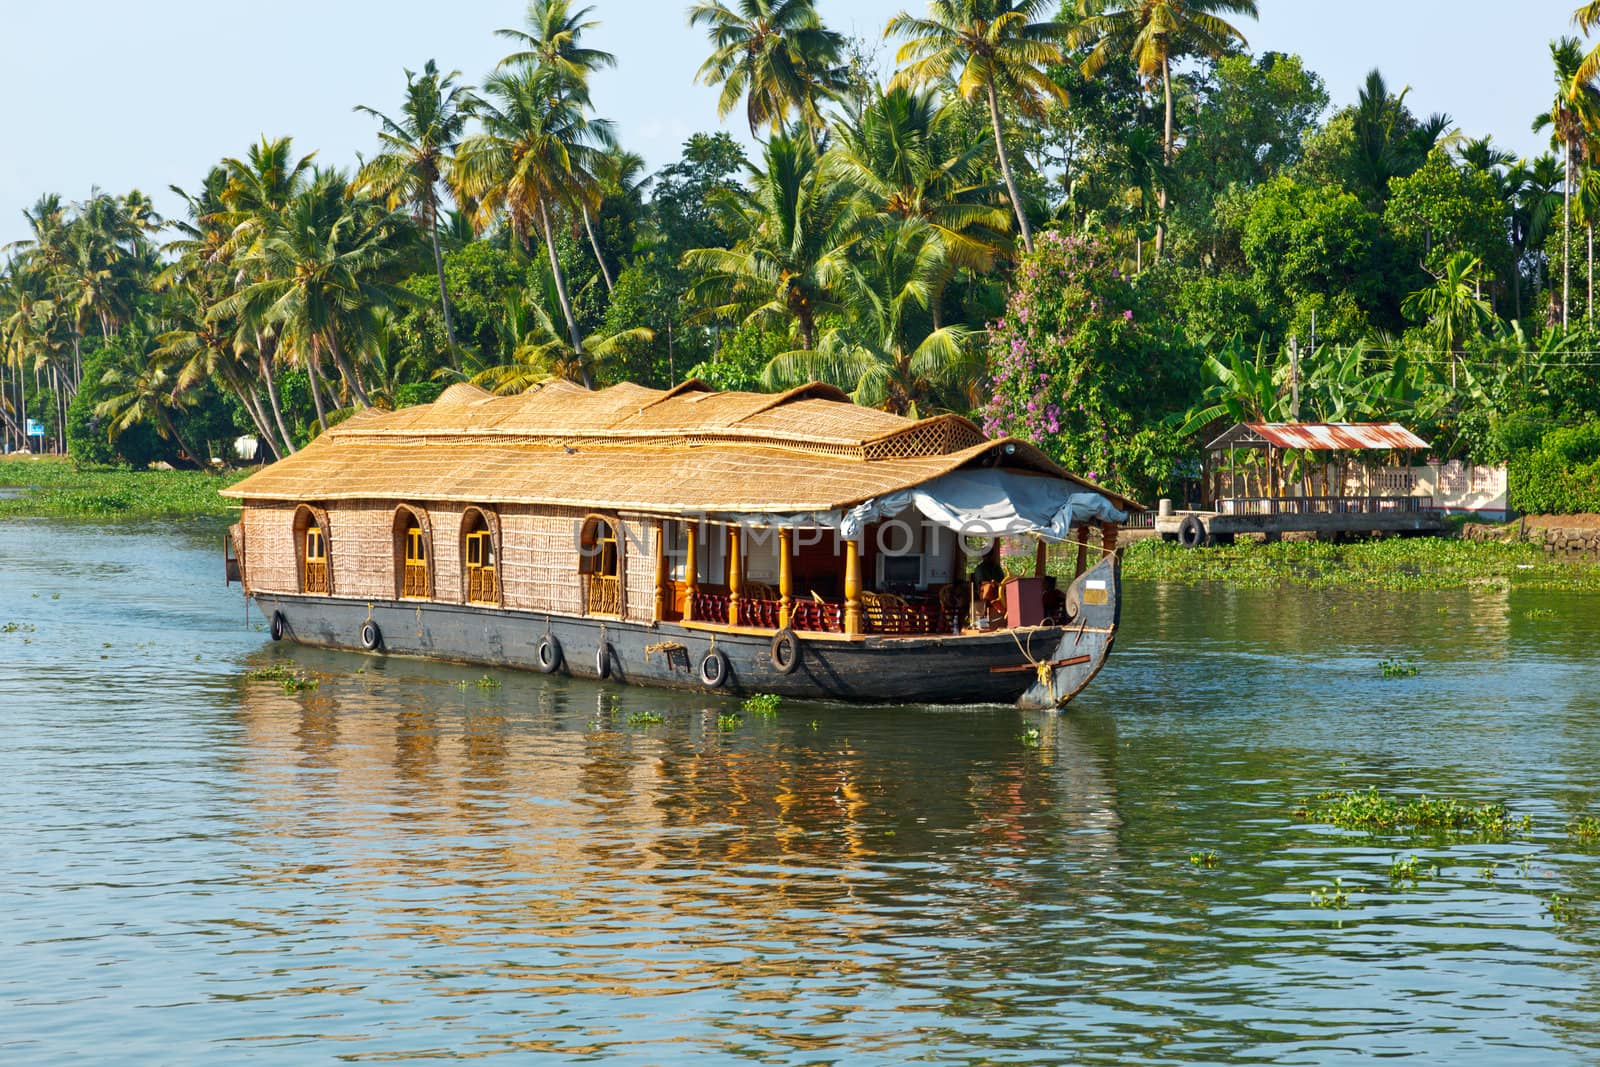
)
(1586, 205)
(551, 42)
(542, 354)
(889, 351)
(1587, 17)
(795, 225)
(1451, 307)
(319, 274)
(552, 45)
(777, 55)
(1574, 112)
(992, 48)
(417, 155)
(145, 389)
(538, 151)
(909, 159)
(1153, 33)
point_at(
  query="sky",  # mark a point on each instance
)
(118, 96)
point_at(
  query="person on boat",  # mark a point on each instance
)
(987, 578)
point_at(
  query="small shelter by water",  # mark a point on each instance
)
(1306, 460)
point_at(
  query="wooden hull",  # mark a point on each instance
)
(971, 669)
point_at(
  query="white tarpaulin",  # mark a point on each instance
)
(991, 503)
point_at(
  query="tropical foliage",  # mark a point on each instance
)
(1101, 224)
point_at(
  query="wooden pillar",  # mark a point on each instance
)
(852, 587)
(691, 567)
(1108, 538)
(661, 571)
(785, 577)
(1081, 536)
(735, 573)
(1041, 559)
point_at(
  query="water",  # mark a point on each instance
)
(401, 865)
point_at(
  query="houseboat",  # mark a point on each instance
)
(793, 543)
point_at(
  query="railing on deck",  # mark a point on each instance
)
(482, 588)
(316, 577)
(414, 580)
(602, 595)
(1324, 505)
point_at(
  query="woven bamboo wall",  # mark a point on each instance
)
(361, 548)
(639, 567)
(270, 565)
(539, 559)
(448, 582)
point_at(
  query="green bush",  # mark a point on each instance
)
(1561, 476)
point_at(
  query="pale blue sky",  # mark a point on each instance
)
(146, 95)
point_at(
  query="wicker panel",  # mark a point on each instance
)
(361, 547)
(269, 561)
(639, 567)
(553, 581)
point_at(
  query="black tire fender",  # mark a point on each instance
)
(714, 669)
(278, 626)
(547, 654)
(1192, 532)
(786, 651)
(602, 660)
(371, 636)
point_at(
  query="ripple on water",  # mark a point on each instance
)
(393, 866)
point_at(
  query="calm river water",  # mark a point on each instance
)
(403, 865)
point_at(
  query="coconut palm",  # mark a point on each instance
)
(144, 388)
(320, 273)
(1588, 17)
(888, 350)
(909, 159)
(993, 49)
(1574, 113)
(553, 46)
(1153, 33)
(540, 353)
(538, 151)
(777, 55)
(418, 151)
(795, 224)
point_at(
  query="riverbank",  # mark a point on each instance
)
(48, 487)
(1395, 563)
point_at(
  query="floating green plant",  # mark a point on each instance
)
(1399, 668)
(1030, 737)
(19, 628)
(1332, 896)
(1585, 828)
(646, 718)
(1540, 613)
(1411, 869)
(284, 675)
(729, 722)
(1204, 858)
(1372, 811)
(764, 704)
(1562, 910)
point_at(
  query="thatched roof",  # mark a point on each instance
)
(687, 449)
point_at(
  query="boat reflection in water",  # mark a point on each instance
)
(616, 861)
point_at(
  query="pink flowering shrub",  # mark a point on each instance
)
(1079, 367)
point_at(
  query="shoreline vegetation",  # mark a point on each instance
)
(52, 488)
(1106, 227)
(55, 489)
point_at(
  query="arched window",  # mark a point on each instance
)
(311, 550)
(413, 554)
(479, 558)
(316, 557)
(600, 565)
